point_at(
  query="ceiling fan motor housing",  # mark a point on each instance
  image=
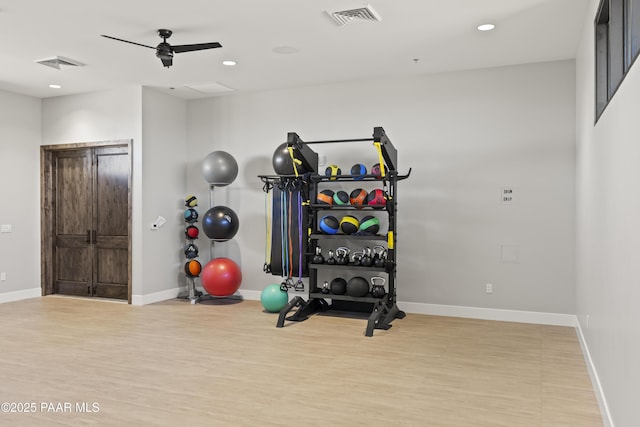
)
(164, 51)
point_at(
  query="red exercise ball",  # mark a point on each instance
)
(221, 277)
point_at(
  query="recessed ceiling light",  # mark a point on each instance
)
(486, 27)
(55, 86)
(229, 63)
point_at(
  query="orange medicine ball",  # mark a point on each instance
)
(192, 268)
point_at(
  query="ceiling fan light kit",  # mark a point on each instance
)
(165, 52)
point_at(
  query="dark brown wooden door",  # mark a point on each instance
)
(91, 244)
(73, 252)
(111, 222)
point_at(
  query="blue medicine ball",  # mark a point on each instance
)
(190, 215)
(329, 224)
(358, 171)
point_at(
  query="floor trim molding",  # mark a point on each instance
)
(20, 295)
(541, 318)
(155, 297)
(595, 379)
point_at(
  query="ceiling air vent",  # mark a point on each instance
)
(59, 62)
(344, 17)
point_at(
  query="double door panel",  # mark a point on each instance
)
(91, 222)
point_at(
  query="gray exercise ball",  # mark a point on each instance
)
(219, 168)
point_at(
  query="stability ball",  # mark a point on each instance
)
(219, 168)
(273, 298)
(282, 163)
(221, 277)
(220, 223)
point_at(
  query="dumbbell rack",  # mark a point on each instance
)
(382, 309)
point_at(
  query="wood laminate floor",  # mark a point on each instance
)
(177, 364)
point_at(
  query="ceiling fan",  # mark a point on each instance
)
(165, 51)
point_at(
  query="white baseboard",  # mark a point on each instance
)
(595, 380)
(155, 297)
(541, 318)
(20, 295)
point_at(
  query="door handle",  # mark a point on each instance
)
(88, 239)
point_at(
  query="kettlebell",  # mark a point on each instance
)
(318, 258)
(380, 256)
(377, 287)
(357, 258)
(367, 259)
(331, 260)
(342, 254)
(325, 288)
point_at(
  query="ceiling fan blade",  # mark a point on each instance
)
(167, 62)
(194, 47)
(127, 41)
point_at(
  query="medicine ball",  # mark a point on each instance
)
(325, 197)
(357, 287)
(358, 197)
(341, 198)
(282, 163)
(375, 170)
(192, 232)
(191, 201)
(191, 251)
(329, 224)
(220, 223)
(338, 286)
(192, 268)
(377, 198)
(369, 225)
(349, 224)
(191, 215)
(333, 171)
(358, 171)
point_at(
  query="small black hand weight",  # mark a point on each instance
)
(377, 287)
(331, 260)
(318, 258)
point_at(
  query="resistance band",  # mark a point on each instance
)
(295, 161)
(268, 205)
(380, 157)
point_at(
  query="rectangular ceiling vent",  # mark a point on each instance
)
(344, 17)
(212, 88)
(59, 61)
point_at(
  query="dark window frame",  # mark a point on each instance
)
(617, 46)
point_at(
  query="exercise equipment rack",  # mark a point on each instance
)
(382, 309)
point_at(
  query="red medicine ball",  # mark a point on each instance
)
(377, 198)
(192, 232)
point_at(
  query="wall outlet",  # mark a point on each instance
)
(488, 288)
(3, 276)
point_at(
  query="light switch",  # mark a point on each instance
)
(6, 228)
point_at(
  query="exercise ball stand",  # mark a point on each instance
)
(197, 296)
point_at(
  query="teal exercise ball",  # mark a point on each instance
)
(273, 298)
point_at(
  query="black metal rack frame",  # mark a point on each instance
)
(383, 310)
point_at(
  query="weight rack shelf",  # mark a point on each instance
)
(350, 267)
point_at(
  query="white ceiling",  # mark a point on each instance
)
(440, 34)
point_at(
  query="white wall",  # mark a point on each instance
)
(103, 116)
(164, 132)
(608, 230)
(20, 194)
(466, 135)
